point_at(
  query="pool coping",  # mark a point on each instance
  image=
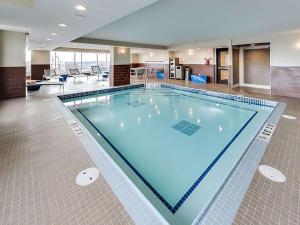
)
(137, 205)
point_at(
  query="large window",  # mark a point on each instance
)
(62, 61)
(78, 60)
(88, 59)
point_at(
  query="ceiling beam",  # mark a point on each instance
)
(117, 43)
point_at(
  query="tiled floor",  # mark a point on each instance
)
(40, 158)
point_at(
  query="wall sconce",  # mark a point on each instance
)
(298, 45)
(151, 54)
(191, 52)
(122, 51)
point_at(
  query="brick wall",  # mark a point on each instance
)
(37, 71)
(121, 74)
(208, 70)
(12, 82)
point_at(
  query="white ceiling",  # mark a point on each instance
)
(172, 22)
(41, 18)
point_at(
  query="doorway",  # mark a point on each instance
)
(257, 67)
(222, 65)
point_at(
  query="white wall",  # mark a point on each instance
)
(120, 56)
(194, 56)
(12, 49)
(153, 57)
(285, 50)
(40, 57)
(135, 58)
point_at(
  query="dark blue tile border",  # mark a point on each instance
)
(247, 100)
(252, 101)
(173, 209)
(97, 92)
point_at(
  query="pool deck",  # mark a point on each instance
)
(40, 157)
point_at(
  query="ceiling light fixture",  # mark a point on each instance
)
(80, 7)
(48, 39)
(62, 25)
(53, 34)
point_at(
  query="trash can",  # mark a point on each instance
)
(187, 73)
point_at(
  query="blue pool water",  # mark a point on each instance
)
(177, 147)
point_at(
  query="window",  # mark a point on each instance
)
(104, 61)
(52, 60)
(63, 61)
(78, 60)
(88, 59)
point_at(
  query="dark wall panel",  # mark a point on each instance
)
(257, 66)
(37, 71)
(12, 82)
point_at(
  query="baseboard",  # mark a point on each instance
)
(256, 86)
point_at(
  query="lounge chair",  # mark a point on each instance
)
(48, 74)
(75, 74)
(34, 85)
(96, 71)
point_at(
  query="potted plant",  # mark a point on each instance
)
(207, 60)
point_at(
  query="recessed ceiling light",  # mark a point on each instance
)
(48, 39)
(62, 25)
(80, 8)
(53, 34)
(41, 46)
(80, 15)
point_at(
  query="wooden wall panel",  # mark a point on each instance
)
(37, 71)
(257, 66)
(208, 70)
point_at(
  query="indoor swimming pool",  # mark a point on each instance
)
(178, 146)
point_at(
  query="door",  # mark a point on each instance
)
(222, 65)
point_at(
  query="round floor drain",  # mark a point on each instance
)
(289, 117)
(272, 173)
(87, 176)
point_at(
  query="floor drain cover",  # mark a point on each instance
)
(289, 117)
(271, 173)
(87, 176)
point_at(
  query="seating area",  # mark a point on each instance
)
(52, 78)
